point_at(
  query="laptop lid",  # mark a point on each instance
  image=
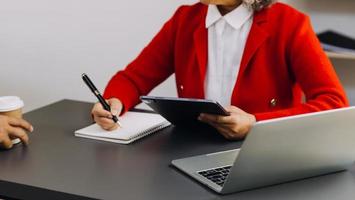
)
(286, 149)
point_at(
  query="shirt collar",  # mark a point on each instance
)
(236, 18)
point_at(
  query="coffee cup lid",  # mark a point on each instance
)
(10, 103)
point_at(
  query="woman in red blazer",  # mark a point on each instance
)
(282, 60)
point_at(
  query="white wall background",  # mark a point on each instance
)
(45, 45)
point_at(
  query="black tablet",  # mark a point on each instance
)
(182, 111)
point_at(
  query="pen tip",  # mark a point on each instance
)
(83, 74)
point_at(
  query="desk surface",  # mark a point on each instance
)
(58, 165)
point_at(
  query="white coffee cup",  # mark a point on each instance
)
(11, 106)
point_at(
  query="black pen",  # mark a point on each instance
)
(96, 92)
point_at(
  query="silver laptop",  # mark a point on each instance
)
(279, 150)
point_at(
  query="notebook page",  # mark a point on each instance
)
(133, 124)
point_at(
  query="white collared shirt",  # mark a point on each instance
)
(227, 36)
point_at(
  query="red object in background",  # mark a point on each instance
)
(282, 59)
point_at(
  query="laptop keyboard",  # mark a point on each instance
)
(217, 175)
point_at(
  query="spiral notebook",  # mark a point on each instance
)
(135, 125)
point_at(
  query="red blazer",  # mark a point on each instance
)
(282, 60)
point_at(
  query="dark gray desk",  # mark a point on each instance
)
(58, 165)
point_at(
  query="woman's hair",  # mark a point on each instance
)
(258, 4)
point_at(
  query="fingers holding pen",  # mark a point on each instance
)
(107, 124)
(99, 111)
(103, 117)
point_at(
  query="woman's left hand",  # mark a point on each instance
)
(233, 127)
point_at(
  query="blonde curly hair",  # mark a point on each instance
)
(258, 4)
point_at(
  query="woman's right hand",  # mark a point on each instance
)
(103, 117)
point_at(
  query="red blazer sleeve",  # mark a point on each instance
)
(313, 72)
(154, 64)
